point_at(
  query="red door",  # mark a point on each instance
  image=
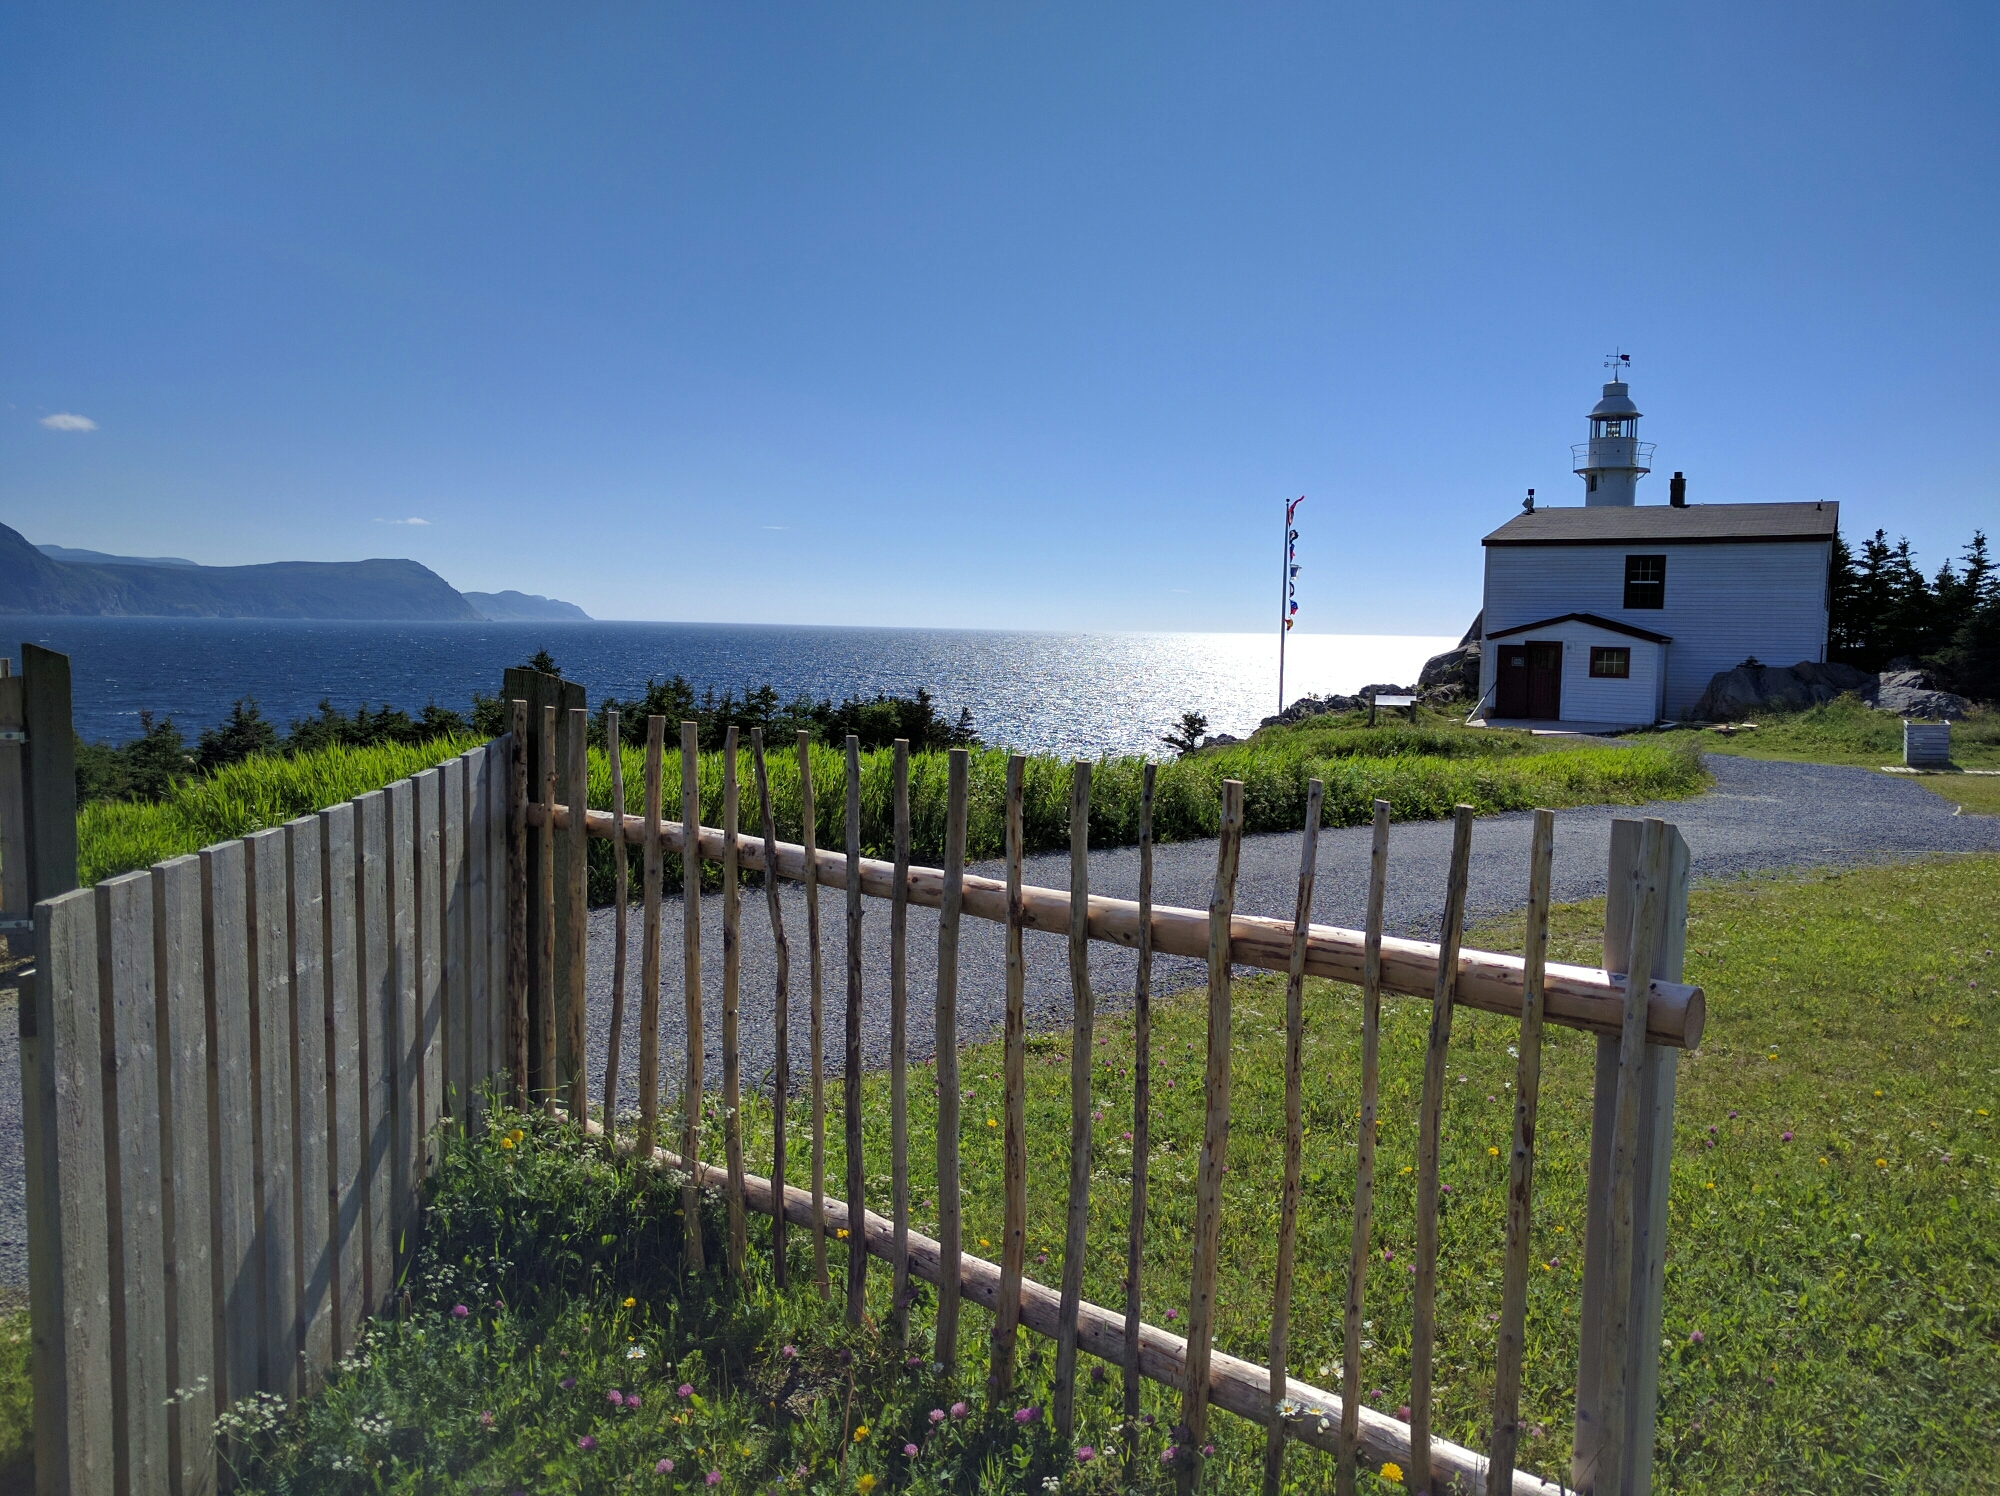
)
(1544, 672)
(1510, 695)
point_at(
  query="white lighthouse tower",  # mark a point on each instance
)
(1613, 461)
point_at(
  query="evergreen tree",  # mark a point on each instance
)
(244, 735)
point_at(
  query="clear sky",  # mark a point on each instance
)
(981, 315)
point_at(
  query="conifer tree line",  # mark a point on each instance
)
(148, 767)
(1884, 613)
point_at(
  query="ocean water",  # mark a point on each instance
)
(1063, 693)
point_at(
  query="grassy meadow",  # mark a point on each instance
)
(1422, 770)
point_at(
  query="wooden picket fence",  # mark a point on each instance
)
(1641, 1030)
(204, 1227)
(236, 1071)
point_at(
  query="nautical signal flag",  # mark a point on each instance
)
(1291, 561)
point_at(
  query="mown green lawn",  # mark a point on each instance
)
(1847, 732)
(1842, 1281)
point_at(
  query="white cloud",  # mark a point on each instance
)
(774, 527)
(402, 521)
(62, 420)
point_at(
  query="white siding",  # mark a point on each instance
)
(1633, 702)
(1724, 602)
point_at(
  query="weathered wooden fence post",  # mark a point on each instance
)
(541, 690)
(1614, 1454)
(69, 1320)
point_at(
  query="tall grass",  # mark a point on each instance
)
(1419, 785)
(116, 836)
(1421, 772)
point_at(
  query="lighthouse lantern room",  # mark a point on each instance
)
(1613, 461)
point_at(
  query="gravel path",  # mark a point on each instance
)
(1760, 817)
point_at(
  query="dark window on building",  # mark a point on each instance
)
(1610, 664)
(1645, 581)
(1590, 482)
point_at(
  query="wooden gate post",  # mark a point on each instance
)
(539, 690)
(37, 791)
(70, 1329)
(1624, 1455)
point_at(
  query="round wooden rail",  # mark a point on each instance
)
(1235, 1385)
(1578, 997)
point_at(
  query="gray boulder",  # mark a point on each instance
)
(1751, 687)
(1908, 693)
(1455, 667)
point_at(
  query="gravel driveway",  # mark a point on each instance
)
(1759, 817)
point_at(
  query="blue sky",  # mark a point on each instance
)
(1015, 316)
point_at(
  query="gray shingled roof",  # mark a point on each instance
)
(1612, 524)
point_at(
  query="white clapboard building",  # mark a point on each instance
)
(1619, 612)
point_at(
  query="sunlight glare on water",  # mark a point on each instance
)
(1070, 694)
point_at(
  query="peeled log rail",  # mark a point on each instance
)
(1578, 997)
(1234, 1385)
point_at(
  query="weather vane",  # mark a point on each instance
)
(1619, 361)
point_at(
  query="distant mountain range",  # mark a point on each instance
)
(56, 579)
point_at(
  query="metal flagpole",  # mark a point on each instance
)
(1287, 592)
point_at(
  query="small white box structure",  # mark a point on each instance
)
(1927, 745)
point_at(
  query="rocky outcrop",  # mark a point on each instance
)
(1313, 706)
(1453, 675)
(1909, 693)
(1752, 687)
(1319, 706)
(1455, 667)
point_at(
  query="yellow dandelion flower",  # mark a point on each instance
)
(1822, 1160)
(991, 1123)
(1392, 1472)
(1406, 1168)
(1881, 1163)
(631, 1303)
(518, 1134)
(861, 1433)
(840, 1233)
(1710, 1185)
(864, 1482)
(1878, 1093)
(1983, 1112)
(1492, 1152)
(506, 1142)
(984, 1242)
